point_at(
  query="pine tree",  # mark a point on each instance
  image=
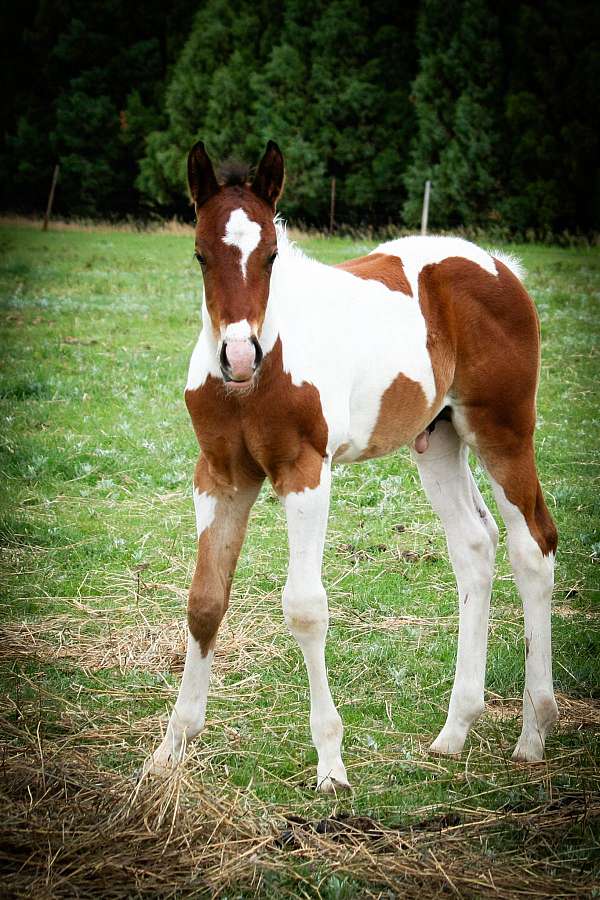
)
(210, 95)
(456, 96)
(551, 131)
(284, 110)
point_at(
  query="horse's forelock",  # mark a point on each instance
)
(233, 173)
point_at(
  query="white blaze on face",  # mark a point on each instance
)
(236, 331)
(243, 233)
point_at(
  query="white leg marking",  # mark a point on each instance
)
(307, 616)
(534, 576)
(205, 506)
(471, 534)
(243, 233)
(187, 718)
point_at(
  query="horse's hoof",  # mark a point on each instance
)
(333, 786)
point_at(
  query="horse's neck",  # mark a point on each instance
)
(301, 290)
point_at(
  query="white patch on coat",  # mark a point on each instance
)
(205, 506)
(189, 712)
(204, 360)
(197, 370)
(418, 251)
(237, 331)
(243, 233)
(347, 336)
(534, 576)
(307, 616)
(472, 536)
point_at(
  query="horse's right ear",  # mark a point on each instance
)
(201, 175)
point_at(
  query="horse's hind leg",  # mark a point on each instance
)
(472, 537)
(532, 540)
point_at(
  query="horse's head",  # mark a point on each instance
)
(236, 246)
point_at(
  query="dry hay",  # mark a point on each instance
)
(71, 829)
(574, 712)
(102, 642)
(149, 647)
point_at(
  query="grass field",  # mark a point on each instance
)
(98, 542)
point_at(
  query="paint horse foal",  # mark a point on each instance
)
(427, 341)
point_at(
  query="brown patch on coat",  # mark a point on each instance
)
(403, 412)
(277, 429)
(219, 547)
(483, 336)
(379, 267)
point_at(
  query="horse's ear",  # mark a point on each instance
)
(268, 181)
(201, 175)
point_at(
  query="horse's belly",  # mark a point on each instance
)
(381, 421)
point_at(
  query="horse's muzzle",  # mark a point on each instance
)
(240, 360)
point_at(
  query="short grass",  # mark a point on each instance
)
(98, 548)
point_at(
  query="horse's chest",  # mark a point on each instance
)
(268, 426)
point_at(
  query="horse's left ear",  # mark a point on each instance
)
(268, 181)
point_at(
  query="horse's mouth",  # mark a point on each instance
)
(233, 386)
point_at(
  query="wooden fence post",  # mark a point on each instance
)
(425, 214)
(332, 206)
(50, 198)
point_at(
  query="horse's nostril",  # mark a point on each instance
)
(258, 354)
(223, 361)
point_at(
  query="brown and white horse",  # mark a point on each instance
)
(428, 342)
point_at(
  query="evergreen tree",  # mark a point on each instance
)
(551, 132)
(501, 116)
(210, 94)
(94, 89)
(456, 96)
(362, 67)
(284, 110)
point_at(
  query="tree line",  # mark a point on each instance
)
(495, 102)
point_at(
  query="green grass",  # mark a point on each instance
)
(97, 455)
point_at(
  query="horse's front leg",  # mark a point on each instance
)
(305, 605)
(221, 519)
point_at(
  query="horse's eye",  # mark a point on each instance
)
(201, 259)
(272, 258)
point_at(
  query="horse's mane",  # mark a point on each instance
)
(233, 173)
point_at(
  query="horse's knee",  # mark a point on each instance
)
(305, 610)
(205, 614)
